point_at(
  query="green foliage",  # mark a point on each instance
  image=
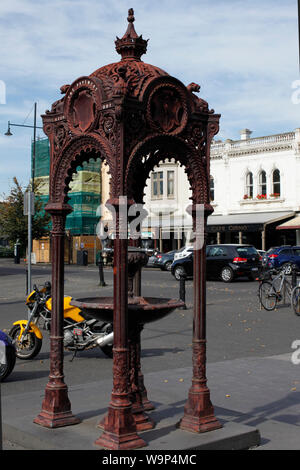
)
(14, 225)
(6, 252)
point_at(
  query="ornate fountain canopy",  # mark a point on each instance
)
(124, 111)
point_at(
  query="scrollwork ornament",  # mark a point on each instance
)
(120, 371)
(213, 129)
(199, 360)
(59, 137)
(198, 137)
(107, 127)
(58, 224)
(108, 124)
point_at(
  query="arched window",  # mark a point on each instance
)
(249, 184)
(262, 183)
(276, 183)
(212, 188)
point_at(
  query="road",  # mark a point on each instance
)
(236, 327)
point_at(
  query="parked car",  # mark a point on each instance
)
(165, 260)
(225, 262)
(282, 257)
(183, 252)
(261, 252)
(153, 259)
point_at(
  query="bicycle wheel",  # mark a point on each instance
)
(295, 300)
(267, 296)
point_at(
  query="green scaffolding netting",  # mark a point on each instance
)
(42, 157)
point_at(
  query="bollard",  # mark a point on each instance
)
(182, 290)
(17, 252)
(101, 273)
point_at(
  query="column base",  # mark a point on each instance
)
(142, 421)
(112, 441)
(56, 420)
(199, 414)
(199, 425)
(56, 409)
(147, 405)
(119, 431)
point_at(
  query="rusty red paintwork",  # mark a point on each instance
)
(132, 115)
(141, 310)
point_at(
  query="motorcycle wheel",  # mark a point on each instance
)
(6, 369)
(30, 347)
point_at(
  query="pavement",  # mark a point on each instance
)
(253, 398)
(256, 398)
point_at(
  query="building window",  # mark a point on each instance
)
(157, 178)
(212, 189)
(276, 183)
(170, 183)
(262, 183)
(249, 185)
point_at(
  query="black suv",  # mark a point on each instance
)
(224, 262)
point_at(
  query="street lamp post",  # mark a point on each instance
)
(29, 195)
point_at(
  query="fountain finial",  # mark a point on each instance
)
(130, 17)
(131, 46)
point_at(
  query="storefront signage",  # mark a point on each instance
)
(234, 228)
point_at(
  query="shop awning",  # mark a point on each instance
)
(247, 222)
(293, 224)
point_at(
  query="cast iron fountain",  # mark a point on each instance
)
(132, 115)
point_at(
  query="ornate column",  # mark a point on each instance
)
(137, 292)
(199, 412)
(56, 407)
(119, 424)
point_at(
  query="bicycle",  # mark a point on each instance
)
(274, 290)
(295, 299)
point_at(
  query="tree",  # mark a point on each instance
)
(14, 224)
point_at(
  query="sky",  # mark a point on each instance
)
(243, 54)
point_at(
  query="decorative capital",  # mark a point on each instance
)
(58, 209)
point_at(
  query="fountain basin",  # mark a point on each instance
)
(141, 310)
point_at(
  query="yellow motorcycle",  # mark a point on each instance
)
(80, 332)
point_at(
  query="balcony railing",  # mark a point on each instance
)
(218, 147)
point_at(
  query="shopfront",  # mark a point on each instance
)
(258, 229)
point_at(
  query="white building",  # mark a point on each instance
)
(254, 189)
